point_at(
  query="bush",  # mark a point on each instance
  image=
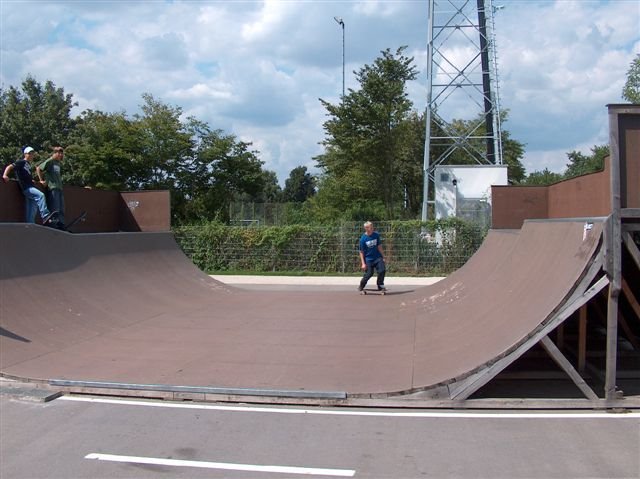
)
(434, 248)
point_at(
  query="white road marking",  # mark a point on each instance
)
(348, 412)
(222, 465)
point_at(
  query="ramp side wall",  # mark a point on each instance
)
(629, 128)
(511, 205)
(107, 211)
(588, 195)
(145, 211)
(583, 196)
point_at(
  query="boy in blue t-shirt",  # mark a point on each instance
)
(371, 257)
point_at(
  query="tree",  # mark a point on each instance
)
(204, 169)
(271, 191)
(542, 178)
(411, 164)
(631, 90)
(337, 200)
(221, 170)
(512, 153)
(103, 152)
(374, 145)
(299, 186)
(33, 115)
(580, 164)
(165, 143)
(364, 133)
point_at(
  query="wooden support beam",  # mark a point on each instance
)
(612, 337)
(461, 390)
(630, 213)
(566, 366)
(613, 247)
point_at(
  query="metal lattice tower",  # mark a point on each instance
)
(462, 84)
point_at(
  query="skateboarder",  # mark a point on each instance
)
(371, 257)
(33, 198)
(49, 174)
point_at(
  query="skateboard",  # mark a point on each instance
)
(51, 220)
(81, 217)
(367, 291)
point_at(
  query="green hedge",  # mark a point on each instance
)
(434, 248)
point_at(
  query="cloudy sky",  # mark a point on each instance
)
(257, 68)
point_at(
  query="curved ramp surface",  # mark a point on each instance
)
(131, 308)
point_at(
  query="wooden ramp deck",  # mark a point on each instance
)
(131, 309)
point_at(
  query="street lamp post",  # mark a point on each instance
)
(340, 22)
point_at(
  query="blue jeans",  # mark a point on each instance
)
(34, 201)
(377, 265)
(55, 202)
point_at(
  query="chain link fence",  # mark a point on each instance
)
(259, 214)
(435, 248)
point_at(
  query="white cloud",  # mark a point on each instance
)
(557, 81)
(256, 69)
(267, 21)
(378, 8)
(201, 91)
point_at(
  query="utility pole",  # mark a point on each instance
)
(340, 22)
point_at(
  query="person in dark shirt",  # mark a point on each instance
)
(33, 198)
(371, 257)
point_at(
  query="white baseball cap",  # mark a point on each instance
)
(28, 149)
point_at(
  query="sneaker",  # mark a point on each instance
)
(50, 219)
(50, 223)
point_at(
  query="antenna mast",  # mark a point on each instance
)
(462, 84)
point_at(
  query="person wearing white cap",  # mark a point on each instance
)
(34, 198)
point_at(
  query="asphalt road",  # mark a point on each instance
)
(81, 437)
